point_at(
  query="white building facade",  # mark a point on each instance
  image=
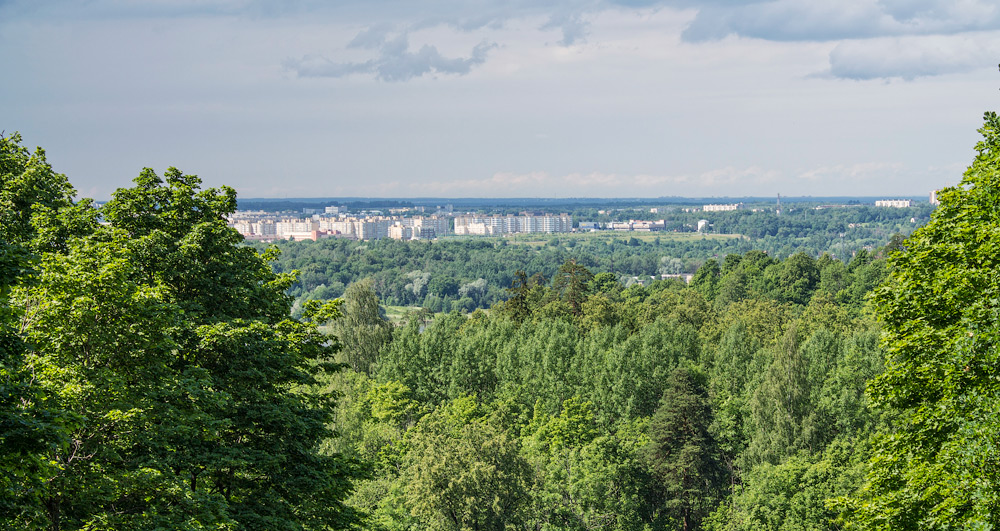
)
(894, 203)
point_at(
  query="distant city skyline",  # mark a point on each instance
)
(517, 99)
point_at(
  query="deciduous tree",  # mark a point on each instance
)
(461, 472)
(937, 466)
(172, 347)
(363, 330)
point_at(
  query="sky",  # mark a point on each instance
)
(505, 98)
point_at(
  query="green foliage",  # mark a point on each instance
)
(421, 360)
(571, 284)
(706, 280)
(32, 425)
(795, 494)
(784, 368)
(171, 350)
(732, 371)
(585, 478)
(152, 376)
(780, 403)
(936, 467)
(461, 472)
(682, 452)
(605, 283)
(363, 330)
(580, 393)
(432, 273)
(798, 278)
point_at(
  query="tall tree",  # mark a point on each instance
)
(706, 279)
(779, 403)
(571, 284)
(797, 278)
(172, 346)
(682, 452)
(32, 426)
(363, 330)
(936, 467)
(523, 296)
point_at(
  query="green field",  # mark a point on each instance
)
(396, 314)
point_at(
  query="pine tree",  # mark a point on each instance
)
(682, 453)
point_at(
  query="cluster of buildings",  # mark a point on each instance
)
(372, 225)
(268, 226)
(727, 207)
(637, 225)
(510, 224)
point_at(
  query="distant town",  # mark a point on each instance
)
(414, 224)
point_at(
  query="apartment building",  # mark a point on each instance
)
(511, 224)
(894, 203)
(721, 208)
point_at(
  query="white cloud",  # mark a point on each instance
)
(574, 28)
(875, 38)
(811, 20)
(789, 20)
(395, 60)
(629, 109)
(912, 57)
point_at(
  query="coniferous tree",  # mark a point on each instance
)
(571, 284)
(682, 452)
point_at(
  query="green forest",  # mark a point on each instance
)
(158, 373)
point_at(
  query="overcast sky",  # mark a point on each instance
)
(505, 98)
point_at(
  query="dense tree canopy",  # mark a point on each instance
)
(36, 215)
(633, 408)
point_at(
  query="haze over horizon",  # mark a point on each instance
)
(581, 98)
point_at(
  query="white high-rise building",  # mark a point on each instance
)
(545, 223)
(295, 226)
(400, 232)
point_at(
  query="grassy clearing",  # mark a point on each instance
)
(395, 314)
